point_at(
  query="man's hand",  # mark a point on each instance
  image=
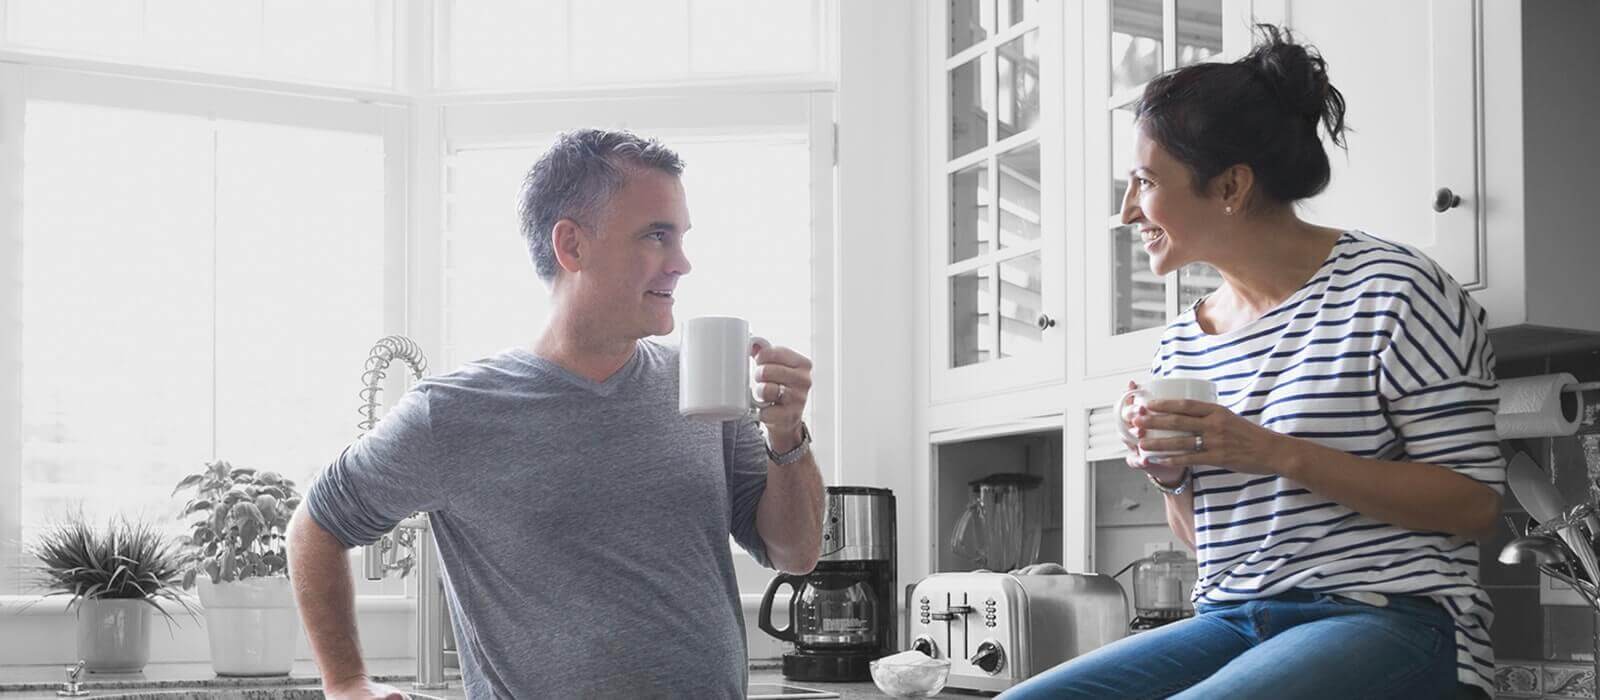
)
(363, 688)
(784, 378)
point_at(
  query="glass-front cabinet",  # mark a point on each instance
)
(1126, 43)
(998, 214)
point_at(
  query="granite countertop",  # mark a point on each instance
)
(41, 682)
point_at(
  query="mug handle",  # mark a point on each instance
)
(756, 403)
(1122, 428)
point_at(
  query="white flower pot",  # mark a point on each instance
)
(252, 624)
(114, 635)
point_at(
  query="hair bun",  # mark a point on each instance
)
(1298, 76)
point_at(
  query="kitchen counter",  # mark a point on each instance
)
(41, 682)
(862, 690)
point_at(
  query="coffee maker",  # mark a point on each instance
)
(842, 614)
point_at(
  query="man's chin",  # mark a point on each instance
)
(664, 327)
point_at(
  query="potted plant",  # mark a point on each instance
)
(114, 576)
(238, 543)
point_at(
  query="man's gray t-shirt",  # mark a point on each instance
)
(583, 526)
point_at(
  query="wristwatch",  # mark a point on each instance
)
(1183, 484)
(795, 454)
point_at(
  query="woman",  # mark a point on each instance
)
(1334, 494)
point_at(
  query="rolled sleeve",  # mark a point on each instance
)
(1436, 377)
(382, 478)
(745, 455)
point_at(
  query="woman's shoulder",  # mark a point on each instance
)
(1364, 262)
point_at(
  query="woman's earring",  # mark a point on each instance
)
(1228, 210)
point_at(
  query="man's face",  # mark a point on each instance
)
(634, 257)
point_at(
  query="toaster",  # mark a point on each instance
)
(998, 630)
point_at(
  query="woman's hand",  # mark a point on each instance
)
(1226, 439)
(1126, 412)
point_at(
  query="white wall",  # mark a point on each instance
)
(881, 114)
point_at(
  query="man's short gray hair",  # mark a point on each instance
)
(575, 179)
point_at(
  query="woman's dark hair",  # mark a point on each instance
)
(1261, 110)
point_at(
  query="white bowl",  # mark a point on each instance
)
(914, 680)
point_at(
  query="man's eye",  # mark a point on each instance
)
(657, 235)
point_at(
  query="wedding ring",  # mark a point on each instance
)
(778, 400)
(1199, 440)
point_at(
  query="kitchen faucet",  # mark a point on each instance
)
(414, 533)
(1555, 548)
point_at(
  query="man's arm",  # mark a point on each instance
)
(789, 516)
(326, 597)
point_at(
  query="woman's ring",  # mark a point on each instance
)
(1199, 440)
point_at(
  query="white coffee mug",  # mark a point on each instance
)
(1169, 388)
(714, 369)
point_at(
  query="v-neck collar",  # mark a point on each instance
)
(606, 387)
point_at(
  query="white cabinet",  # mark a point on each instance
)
(1411, 106)
(997, 196)
(1473, 140)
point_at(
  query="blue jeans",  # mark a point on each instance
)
(1295, 645)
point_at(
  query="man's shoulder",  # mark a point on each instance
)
(484, 370)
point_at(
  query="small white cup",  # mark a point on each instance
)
(714, 369)
(1166, 389)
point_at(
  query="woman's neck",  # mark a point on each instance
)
(1269, 257)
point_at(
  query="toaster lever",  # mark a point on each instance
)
(951, 613)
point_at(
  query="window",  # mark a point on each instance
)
(349, 42)
(519, 44)
(198, 269)
(193, 287)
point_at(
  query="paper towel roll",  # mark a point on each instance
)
(1530, 407)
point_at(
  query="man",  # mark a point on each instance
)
(582, 523)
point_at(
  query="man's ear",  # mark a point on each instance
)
(566, 239)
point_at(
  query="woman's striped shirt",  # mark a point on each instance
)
(1383, 355)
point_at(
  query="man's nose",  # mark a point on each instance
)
(679, 264)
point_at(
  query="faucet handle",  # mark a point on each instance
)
(72, 688)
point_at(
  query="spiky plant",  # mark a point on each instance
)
(129, 560)
(244, 516)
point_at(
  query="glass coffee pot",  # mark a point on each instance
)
(1000, 528)
(832, 608)
(1162, 583)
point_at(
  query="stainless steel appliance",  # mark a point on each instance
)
(1000, 629)
(841, 615)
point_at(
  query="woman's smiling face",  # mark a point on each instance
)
(1173, 220)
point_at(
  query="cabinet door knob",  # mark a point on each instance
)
(1445, 200)
(1045, 322)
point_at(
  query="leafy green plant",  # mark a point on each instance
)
(243, 517)
(128, 560)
